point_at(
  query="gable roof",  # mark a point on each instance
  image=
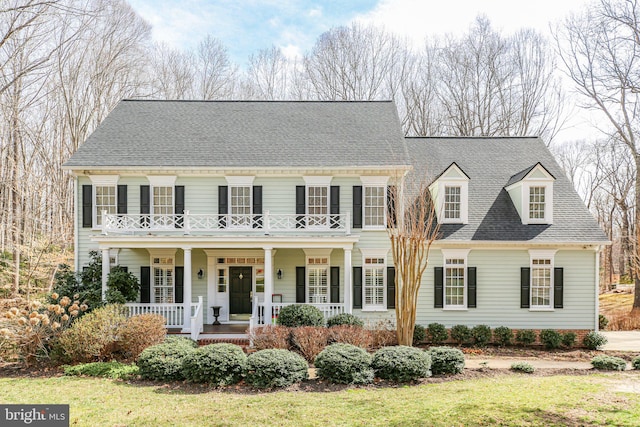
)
(523, 174)
(492, 162)
(244, 134)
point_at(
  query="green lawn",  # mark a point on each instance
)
(513, 400)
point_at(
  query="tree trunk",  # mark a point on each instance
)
(635, 270)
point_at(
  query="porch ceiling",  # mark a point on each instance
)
(225, 242)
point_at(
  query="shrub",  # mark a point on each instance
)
(349, 334)
(446, 360)
(602, 322)
(593, 340)
(344, 363)
(178, 340)
(401, 363)
(300, 315)
(275, 368)
(437, 333)
(461, 334)
(636, 362)
(568, 339)
(271, 337)
(29, 332)
(525, 367)
(344, 319)
(163, 362)
(481, 335)
(503, 336)
(122, 286)
(219, 364)
(115, 370)
(609, 363)
(87, 286)
(309, 340)
(419, 334)
(525, 337)
(94, 337)
(383, 338)
(140, 332)
(550, 338)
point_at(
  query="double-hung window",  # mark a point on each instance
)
(318, 280)
(105, 192)
(240, 206)
(455, 280)
(318, 206)
(536, 203)
(374, 206)
(452, 202)
(541, 279)
(163, 279)
(162, 200)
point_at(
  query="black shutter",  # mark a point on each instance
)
(357, 287)
(558, 287)
(179, 205)
(471, 287)
(334, 206)
(357, 206)
(257, 206)
(438, 288)
(179, 289)
(334, 291)
(301, 206)
(300, 285)
(223, 205)
(392, 195)
(145, 284)
(391, 287)
(145, 205)
(525, 273)
(122, 199)
(87, 206)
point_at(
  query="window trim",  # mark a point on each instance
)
(249, 216)
(542, 255)
(548, 201)
(320, 182)
(162, 253)
(374, 254)
(313, 254)
(102, 181)
(455, 254)
(444, 202)
(375, 182)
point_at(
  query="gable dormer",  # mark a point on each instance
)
(450, 191)
(531, 192)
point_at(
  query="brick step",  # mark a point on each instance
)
(242, 342)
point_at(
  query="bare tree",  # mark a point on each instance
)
(599, 50)
(412, 229)
(216, 75)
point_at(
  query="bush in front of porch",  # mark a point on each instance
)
(300, 315)
(275, 368)
(217, 364)
(163, 362)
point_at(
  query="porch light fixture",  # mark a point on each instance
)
(279, 274)
(240, 276)
(200, 274)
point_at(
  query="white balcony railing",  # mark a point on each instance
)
(258, 316)
(264, 224)
(173, 313)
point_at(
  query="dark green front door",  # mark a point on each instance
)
(240, 290)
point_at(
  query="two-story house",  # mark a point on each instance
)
(248, 206)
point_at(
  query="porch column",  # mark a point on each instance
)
(105, 271)
(187, 290)
(348, 289)
(268, 284)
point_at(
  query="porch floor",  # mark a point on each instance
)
(223, 329)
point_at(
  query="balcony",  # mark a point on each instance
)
(188, 223)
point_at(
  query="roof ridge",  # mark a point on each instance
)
(280, 101)
(475, 137)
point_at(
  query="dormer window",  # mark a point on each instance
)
(451, 194)
(536, 203)
(452, 199)
(531, 191)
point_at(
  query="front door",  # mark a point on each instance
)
(240, 290)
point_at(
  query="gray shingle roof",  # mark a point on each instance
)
(490, 163)
(228, 134)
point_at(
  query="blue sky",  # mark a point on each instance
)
(244, 26)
